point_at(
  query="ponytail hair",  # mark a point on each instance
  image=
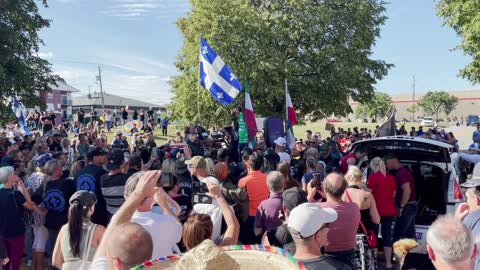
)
(76, 213)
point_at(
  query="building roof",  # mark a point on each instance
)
(63, 87)
(95, 99)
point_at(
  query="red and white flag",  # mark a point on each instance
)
(250, 115)
(291, 118)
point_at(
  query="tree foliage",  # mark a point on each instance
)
(437, 102)
(464, 17)
(323, 48)
(22, 71)
(376, 108)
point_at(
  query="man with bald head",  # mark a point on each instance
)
(342, 236)
(126, 244)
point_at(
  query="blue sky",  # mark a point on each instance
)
(137, 42)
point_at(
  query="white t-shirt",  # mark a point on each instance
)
(164, 229)
(99, 263)
(284, 157)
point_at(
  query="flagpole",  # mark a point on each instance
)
(286, 108)
(198, 84)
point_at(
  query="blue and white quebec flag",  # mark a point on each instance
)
(17, 108)
(216, 76)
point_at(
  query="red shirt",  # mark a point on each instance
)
(257, 189)
(403, 176)
(383, 190)
(342, 233)
(343, 163)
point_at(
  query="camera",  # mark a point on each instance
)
(201, 198)
(317, 181)
(199, 187)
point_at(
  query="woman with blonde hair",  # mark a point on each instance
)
(210, 166)
(363, 199)
(383, 186)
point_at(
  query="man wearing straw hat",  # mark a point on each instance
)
(309, 225)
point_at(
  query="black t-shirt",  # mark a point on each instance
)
(46, 127)
(195, 147)
(81, 115)
(89, 179)
(281, 237)
(124, 115)
(185, 204)
(56, 200)
(55, 147)
(150, 114)
(151, 144)
(11, 209)
(185, 183)
(324, 262)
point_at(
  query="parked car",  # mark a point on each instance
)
(432, 166)
(472, 120)
(427, 121)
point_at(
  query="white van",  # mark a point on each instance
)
(431, 164)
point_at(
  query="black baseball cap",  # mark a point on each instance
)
(293, 197)
(96, 151)
(84, 198)
(115, 159)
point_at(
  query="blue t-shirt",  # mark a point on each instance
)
(165, 122)
(472, 221)
(476, 135)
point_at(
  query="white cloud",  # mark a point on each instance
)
(142, 8)
(45, 55)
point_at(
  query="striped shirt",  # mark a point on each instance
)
(113, 187)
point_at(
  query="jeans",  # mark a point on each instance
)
(52, 238)
(14, 247)
(164, 131)
(28, 241)
(405, 223)
(109, 125)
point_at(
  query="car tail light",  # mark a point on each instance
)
(457, 191)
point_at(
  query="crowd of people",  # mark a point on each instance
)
(70, 199)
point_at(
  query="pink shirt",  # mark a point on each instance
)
(342, 233)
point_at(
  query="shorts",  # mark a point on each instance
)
(40, 235)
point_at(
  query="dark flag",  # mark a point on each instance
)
(388, 128)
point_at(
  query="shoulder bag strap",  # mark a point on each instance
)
(88, 243)
(361, 223)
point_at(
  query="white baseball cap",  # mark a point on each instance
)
(280, 141)
(308, 218)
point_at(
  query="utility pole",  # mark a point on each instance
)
(413, 99)
(89, 95)
(101, 88)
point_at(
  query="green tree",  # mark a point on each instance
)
(323, 48)
(375, 108)
(412, 109)
(437, 102)
(464, 17)
(22, 71)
